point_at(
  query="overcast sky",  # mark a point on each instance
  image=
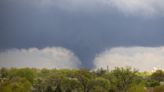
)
(85, 28)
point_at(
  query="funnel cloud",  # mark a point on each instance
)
(84, 28)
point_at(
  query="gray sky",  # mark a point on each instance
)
(86, 27)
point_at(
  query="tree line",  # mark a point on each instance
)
(81, 80)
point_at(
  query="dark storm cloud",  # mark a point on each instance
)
(84, 30)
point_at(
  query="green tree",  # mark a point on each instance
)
(121, 79)
(4, 73)
(54, 81)
(16, 85)
(71, 84)
(152, 83)
(134, 87)
(29, 74)
(58, 88)
(83, 77)
(99, 85)
(49, 89)
(158, 75)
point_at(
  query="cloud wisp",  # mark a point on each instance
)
(142, 7)
(128, 7)
(54, 57)
(142, 58)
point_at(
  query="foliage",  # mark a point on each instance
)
(121, 79)
(158, 75)
(16, 85)
(82, 80)
(137, 87)
(29, 74)
(152, 83)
